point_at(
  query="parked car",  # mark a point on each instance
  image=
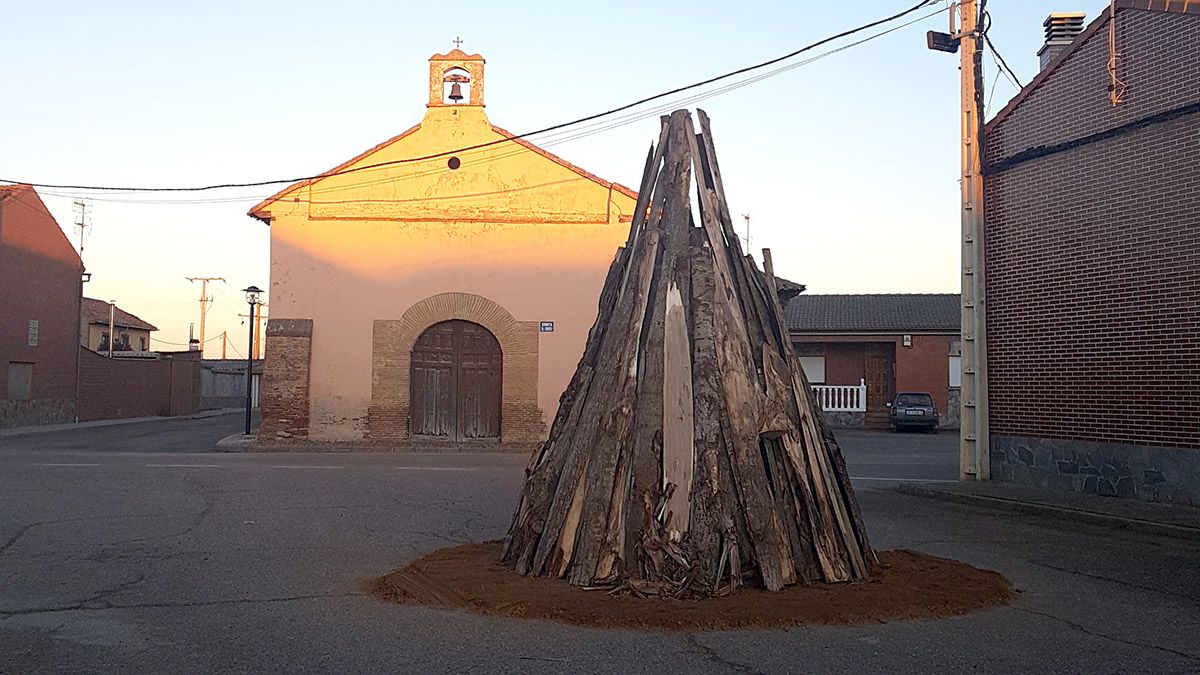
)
(913, 410)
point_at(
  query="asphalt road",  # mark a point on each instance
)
(130, 554)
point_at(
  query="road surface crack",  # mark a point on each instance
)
(1119, 582)
(712, 655)
(1132, 643)
(172, 605)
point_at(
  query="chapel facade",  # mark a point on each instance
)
(439, 287)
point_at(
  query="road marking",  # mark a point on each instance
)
(432, 468)
(185, 466)
(63, 464)
(905, 480)
(304, 466)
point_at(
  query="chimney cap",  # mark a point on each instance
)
(1062, 25)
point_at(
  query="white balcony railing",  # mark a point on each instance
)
(842, 397)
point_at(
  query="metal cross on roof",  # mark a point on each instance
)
(457, 42)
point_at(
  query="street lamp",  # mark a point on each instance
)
(252, 294)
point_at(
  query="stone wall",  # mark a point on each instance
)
(36, 411)
(1158, 474)
(845, 420)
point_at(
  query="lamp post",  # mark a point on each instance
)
(252, 294)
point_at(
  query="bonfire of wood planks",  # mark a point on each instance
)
(688, 456)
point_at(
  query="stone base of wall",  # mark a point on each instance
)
(949, 419)
(1143, 472)
(844, 420)
(222, 402)
(276, 444)
(36, 412)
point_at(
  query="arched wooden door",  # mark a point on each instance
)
(456, 378)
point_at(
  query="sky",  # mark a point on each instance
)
(848, 166)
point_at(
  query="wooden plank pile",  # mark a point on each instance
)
(688, 456)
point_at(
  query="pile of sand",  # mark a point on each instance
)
(911, 586)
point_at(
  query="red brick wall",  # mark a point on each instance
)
(1093, 266)
(116, 388)
(284, 400)
(843, 363)
(40, 280)
(923, 367)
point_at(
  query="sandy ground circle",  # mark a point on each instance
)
(911, 586)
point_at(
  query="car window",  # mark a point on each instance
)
(915, 399)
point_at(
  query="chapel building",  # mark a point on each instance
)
(439, 287)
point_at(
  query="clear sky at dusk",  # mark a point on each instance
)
(848, 165)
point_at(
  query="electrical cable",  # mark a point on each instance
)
(562, 137)
(555, 127)
(987, 24)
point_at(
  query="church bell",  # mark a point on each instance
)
(456, 92)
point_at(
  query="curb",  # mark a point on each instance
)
(235, 443)
(1058, 512)
(19, 432)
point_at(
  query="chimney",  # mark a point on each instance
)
(1061, 31)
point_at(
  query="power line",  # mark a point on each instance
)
(180, 344)
(555, 127)
(987, 24)
(562, 137)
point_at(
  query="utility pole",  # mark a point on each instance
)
(974, 439)
(112, 320)
(258, 330)
(224, 343)
(746, 217)
(80, 208)
(204, 300)
(262, 317)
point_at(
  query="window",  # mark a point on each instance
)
(814, 368)
(33, 332)
(20, 381)
(955, 364)
(915, 400)
(955, 372)
(141, 344)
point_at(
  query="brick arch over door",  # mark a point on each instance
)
(392, 343)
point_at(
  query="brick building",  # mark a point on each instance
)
(1093, 262)
(439, 287)
(889, 343)
(41, 280)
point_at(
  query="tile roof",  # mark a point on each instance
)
(96, 311)
(8, 190)
(885, 313)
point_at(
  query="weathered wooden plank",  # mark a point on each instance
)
(646, 465)
(706, 523)
(615, 426)
(678, 419)
(653, 161)
(828, 493)
(739, 385)
(568, 536)
(599, 406)
(688, 452)
(718, 185)
(548, 462)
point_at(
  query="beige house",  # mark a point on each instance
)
(130, 334)
(437, 288)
